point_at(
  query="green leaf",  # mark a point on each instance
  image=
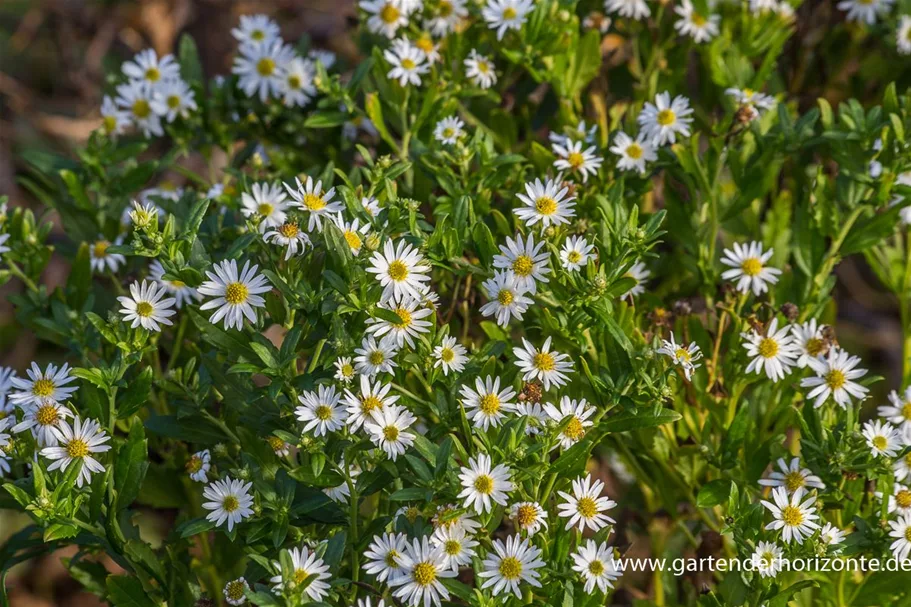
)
(188, 55)
(713, 493)
(130, 465)
(127, 591)
(634, 421)
(135, 394)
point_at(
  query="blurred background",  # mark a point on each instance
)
(55, 54)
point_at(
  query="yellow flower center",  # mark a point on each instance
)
(110, 123)
(483, 484)
(391, 556)
(835, 379)
(236, 293)
(46, 414)
(323, 412)
(258, 35)
(405, 315)
(276, 443)
(265, 209)
(376, 357)
(300, 576)
(523, 265)
(425, 44)
(634, 151)
(768, 558)
(194, 464)
(698, 20)
(235, 590)
(230, 503)
(398, 271)
(294, 81)
(814, 346)
(424, 573)
(908, 533)
(880, 442)
(370, 403)
(141, 108)
(353, 240)
(906, 411)
(509, 13)
(153, 75)
(448, 132)
(574, 256)
(408, 63)
(574, 429)
(794, 481)
(289, 230)
(544, 361)
(447, 355)
(903, 499)
(77, 448)
(505, 297)
(908, 460)
(445, 9)
(314, 202)
(587, 507)
(751, 266)
(683, 354)
(101, 248)
(575, 160)
(526, 515)
(389, 13)
(452, 547)
(510, 568)
(666, 117)
(768, 347)
(43, 388)
(483, 67)
(144, 309)
(489, 404)
(173, 101)
(265, 66)
(390, 433)
(596, 568)
(347, 370)
(792, 516)
(546, 205)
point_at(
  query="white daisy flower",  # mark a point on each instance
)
(899, 412)
(423, 564)
(663, 120)
(774, 352)
(259, 68)
(447, 16)
(373, 358)
(400, 269)
(384, 16)
(408, 63)
(297, 88)
(41, 419)
(266, 202)
(306, 568)
(831, 535)
(291, 237)
(640, 273)
(699, 27)
(835, 377)
(450, 355)
(371, 398)
(480, 70)
(792, 477)
(320, 411)
(749, 268)
(899, 501)
(578, 413)
(344, 370)
(387, 429)
(6, 386)
(683, 356)
(410, 325)
(3, 239)
(634, 154)
(342, 492)
(596, 565)
(524, 261)
(99, 258)
(865, 11)
(78, 443)
(634, 9)
(506, 298)
(426, 45)
(457, 547)
(319, 55)
(546, 202)
(586, 507)
(510, 564)
(178, 99)
(794, 518)
(486, 405)
(318, 204)
(767, 559)
(114, 121)
(576, 253)
(760, 6)
(882, 438)
(809, 341)
(146, 308)
(901, 531)
(537, 417)
(482, 484)
(198, 466)
(229, 500)
(256, 29)
(449, 130)
(144, 105)
(549, 367)
(528, 517)
(236, 295)
(903, 35)
(147, 68)
(353, 232)
(902, 467)
(596, 20)
(581, 132)
(50, 384)
(236, 590)
(505, 15)
(4, 439)
(279, 447)
(747, 96)
(383, 556)
(449, 515)
(371, 206)
(182, 293)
